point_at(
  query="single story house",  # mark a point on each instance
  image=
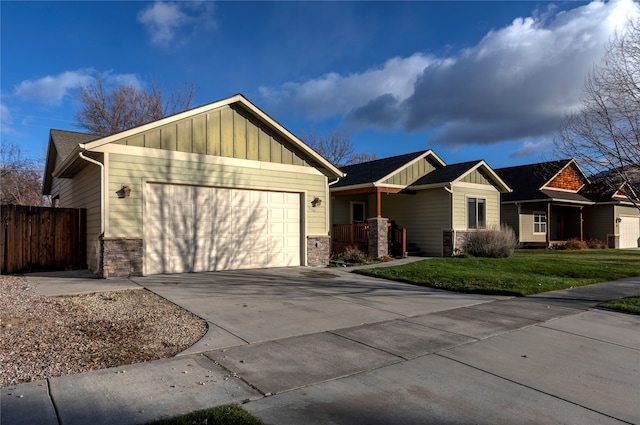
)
(414, 198)
(218, 187)
(613, 218)
(554, 201)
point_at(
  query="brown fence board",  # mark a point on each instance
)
(38, 239)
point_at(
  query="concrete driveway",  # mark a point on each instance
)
(322, 346)
(246, 307)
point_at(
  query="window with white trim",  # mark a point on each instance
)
(539, 222)
(476, 213)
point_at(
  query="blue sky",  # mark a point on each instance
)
(470, 80)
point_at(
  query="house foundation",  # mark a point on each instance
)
(120, 257)
(318, 250)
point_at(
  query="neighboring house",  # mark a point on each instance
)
(613, 219)
(554, 201)
(222, 186)
(545, 207)
(434, 203)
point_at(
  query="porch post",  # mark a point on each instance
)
(378, 237)
(581, 225)
(378, 203)
(548, 223)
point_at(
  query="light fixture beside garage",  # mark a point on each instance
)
(316, 202)
(124, 192)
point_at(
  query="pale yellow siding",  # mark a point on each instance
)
(409, 174)
(125, 216)
(83, 191)
(526, 223)
(228, 131)
(460, 195)
(425, 215)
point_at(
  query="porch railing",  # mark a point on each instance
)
(357, 235)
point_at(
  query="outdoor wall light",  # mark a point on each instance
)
(618, 220)
(124, 192)
(316, 202)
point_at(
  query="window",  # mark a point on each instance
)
(476, 213)
(539, 222)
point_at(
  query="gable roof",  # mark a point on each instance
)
(372, 173)
(528, 182)
(89, 144)
(61, 145)
(455, 172)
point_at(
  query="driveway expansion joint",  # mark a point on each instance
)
(53, 402)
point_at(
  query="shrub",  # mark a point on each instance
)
(350, 255)
(498, 242)
(574, 245)
(596, 244)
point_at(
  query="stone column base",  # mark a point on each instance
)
(378, 237)
(120, 257)
(318, 250)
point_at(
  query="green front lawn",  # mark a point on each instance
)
(527, 272)
(230, 414)
(625, 305)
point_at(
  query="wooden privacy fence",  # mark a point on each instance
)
(40, 239)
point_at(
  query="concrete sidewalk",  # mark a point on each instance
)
(399, 355)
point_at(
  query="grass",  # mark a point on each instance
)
(625, 305)
(230, 414)
(527, 272)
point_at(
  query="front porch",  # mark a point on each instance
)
(357, 235)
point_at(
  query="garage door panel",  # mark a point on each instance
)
(629, 232)
(207, 228)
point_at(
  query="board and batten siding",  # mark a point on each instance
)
(466, 190)
(409, 174)
(83, 191)
(228, 131)
(425, 215)
(125, 216)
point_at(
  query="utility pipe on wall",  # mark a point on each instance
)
(102, 206)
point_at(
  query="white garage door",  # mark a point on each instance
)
(192, 229)
(629, 232)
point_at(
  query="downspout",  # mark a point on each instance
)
(328, 214)
(102, 206)
(453, 232)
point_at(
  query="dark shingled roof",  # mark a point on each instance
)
(65, 141)
(526, 180)
(372, 171)
(446, 174)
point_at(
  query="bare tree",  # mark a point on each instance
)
(337, 147)
(20, 177)
(604, 134)
(106, 111)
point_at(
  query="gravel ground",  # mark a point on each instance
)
(43, 337)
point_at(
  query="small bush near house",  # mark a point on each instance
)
(230, 414)
(350, 255)
(492, 243)
(596, 244)
(574, 245)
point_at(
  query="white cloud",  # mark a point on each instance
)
(5, 120)
(163, 20)
(52, 89)
(517, 83)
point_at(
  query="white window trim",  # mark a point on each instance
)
(364, 211)
(466, 208)
(546, 222)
